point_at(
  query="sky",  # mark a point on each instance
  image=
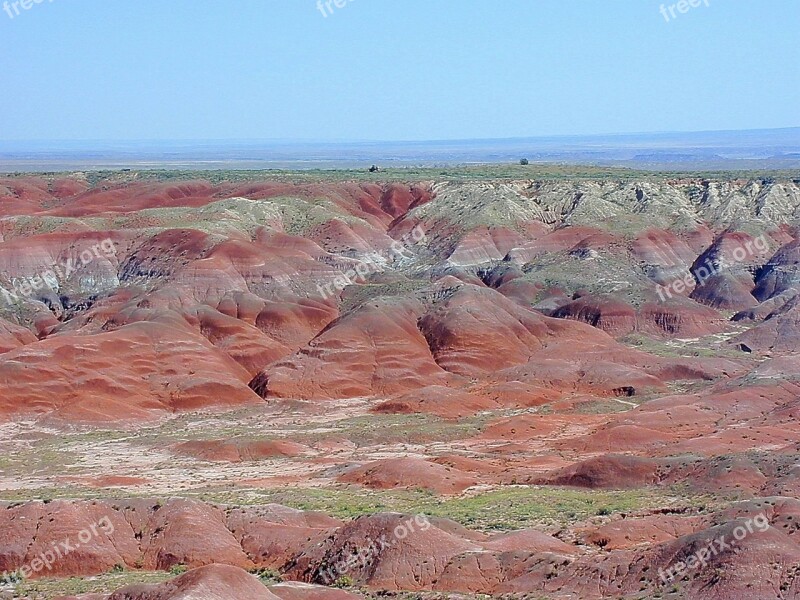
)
(393, 69)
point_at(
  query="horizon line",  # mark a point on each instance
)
(389, 141)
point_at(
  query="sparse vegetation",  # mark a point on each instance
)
(542, 171)
(178, 569)
(345, 581)
(267, 576)
(47, 589)
(501, 509)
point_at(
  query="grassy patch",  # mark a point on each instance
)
(107, 583)
(42, 460)
(604, 407)
(474, 172)
(503, 509)
(519, 507)
(371, 430)
(365, 430)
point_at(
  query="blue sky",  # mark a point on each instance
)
(394, 69)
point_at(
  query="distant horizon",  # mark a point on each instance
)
(772, 149)
(394, 141)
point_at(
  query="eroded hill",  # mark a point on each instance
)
(597, 377)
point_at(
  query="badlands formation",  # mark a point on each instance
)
(562, 388)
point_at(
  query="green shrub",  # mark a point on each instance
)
(267, 576)
(345, 581)
(178, 569)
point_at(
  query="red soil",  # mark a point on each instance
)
(214, 299)
(409, 473)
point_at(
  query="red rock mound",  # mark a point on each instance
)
(192, 534)
(679, 317)
(409, 473)
(240, 450)
(448, 403)
(13, 336)
(561, 240)
(214, 582)
(632, 532)
(272, 535)
(376, 349)
(779, 332)
(732, 567)
(724, 270)
(89, 538)
(298, 590)
(666, 257)
(726, 291)
(483, 572)
(468, 327)
(528, 540)
(780, 274)
(130, 374)
(609, 471)
(614, 316)
(244, 343)
(384, 551)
